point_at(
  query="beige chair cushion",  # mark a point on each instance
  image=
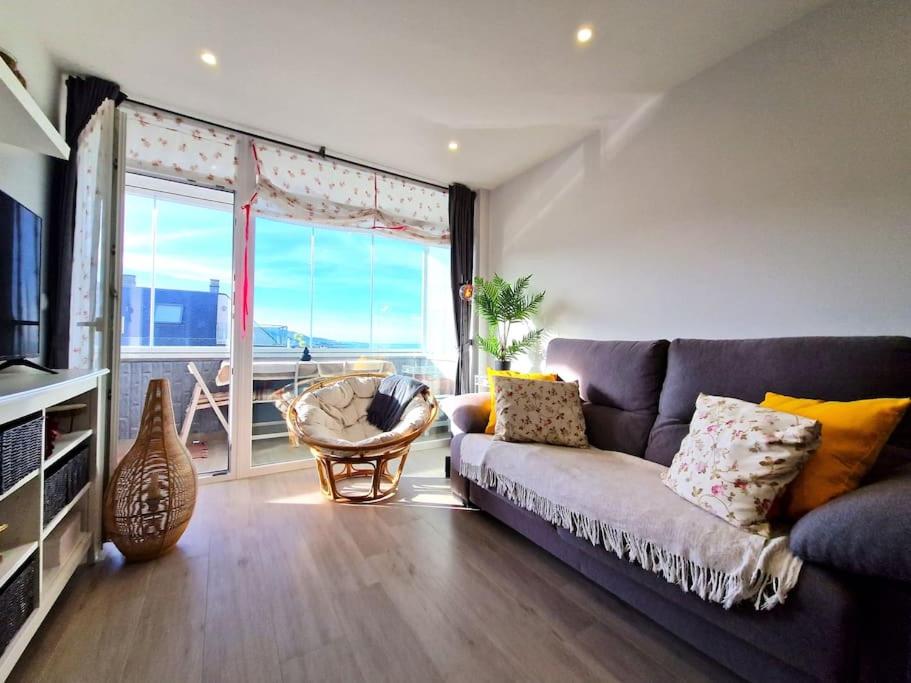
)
(309, 372)
(337, 414)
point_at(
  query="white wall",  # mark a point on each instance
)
(770, 195)
(26, 176)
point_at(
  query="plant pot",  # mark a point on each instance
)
(502, 364)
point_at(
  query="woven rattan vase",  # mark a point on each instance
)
(151, 496)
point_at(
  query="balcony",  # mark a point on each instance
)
(206, 436)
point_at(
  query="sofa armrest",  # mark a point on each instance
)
(467, 412)
(867, 531)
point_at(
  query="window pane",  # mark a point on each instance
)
(440, 323)
(281, 293)
(193, 246)
(398, 281)
(440, 348)
(169, 313)
(137, 269)
(341, 290)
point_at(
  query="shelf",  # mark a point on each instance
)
(63, 513)
(24, 124)
(78, 526)
(19, 484)
(65, 444)
(13, 558)
(55, 578)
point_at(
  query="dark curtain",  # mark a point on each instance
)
(83, 97)
(461, 231)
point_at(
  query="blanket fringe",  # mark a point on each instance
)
(708, 584)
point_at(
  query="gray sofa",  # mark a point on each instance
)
(850, 616)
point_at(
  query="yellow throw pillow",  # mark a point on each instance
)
(492, 420)
(853, 434)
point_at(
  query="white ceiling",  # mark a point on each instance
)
(392, 81)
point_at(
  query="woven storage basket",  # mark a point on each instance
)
(63, 481)
(20, 450)
(17, 600)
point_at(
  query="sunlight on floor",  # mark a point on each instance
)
(422, 485)
(313, 498)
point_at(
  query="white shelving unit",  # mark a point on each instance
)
(24, 124)
(49, 526)
(66, 444)
(73, 535)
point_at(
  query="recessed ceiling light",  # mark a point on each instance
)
(584, 34)
(453, 146)
(208, 57)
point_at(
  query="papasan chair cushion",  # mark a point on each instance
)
(337, 414)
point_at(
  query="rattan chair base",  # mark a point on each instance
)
(333, 469)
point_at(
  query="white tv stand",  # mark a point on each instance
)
(74, 534)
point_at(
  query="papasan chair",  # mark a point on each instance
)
(330, 417)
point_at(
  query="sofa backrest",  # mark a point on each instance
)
(619, 381)
(831, 368)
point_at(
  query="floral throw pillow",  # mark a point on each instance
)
(539, 411)
(738, 457)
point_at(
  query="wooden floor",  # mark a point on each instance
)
(272, 583)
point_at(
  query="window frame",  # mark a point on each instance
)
(157, 187)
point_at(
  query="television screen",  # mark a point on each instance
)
(20, 279)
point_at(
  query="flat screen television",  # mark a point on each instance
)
(20, 280)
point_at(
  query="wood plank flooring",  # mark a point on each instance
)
(273, 583)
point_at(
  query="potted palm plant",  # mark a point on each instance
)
(503, 304)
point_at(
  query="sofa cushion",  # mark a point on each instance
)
(492, 376)
(739, 457)
(467, 413)
(854, 433)
(539, 411)
(620, 383)
(867, 531)
(833, 368)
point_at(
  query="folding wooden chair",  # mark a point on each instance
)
(202, 398)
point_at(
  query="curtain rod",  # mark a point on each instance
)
(321, 152)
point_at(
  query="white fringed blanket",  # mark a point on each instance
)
(620, 502)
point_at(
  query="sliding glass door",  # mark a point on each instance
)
(175, 311)
(282, 320)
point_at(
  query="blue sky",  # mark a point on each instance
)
(193, 244)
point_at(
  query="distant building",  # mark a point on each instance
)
(186, 317)
(182, 317)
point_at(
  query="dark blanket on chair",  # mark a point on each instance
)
(392, 397)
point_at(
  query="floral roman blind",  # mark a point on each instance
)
(306, 187)
(290, 184)
(180, 148)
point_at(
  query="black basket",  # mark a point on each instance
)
(63, 481)
(17, 600)
(20, 450)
